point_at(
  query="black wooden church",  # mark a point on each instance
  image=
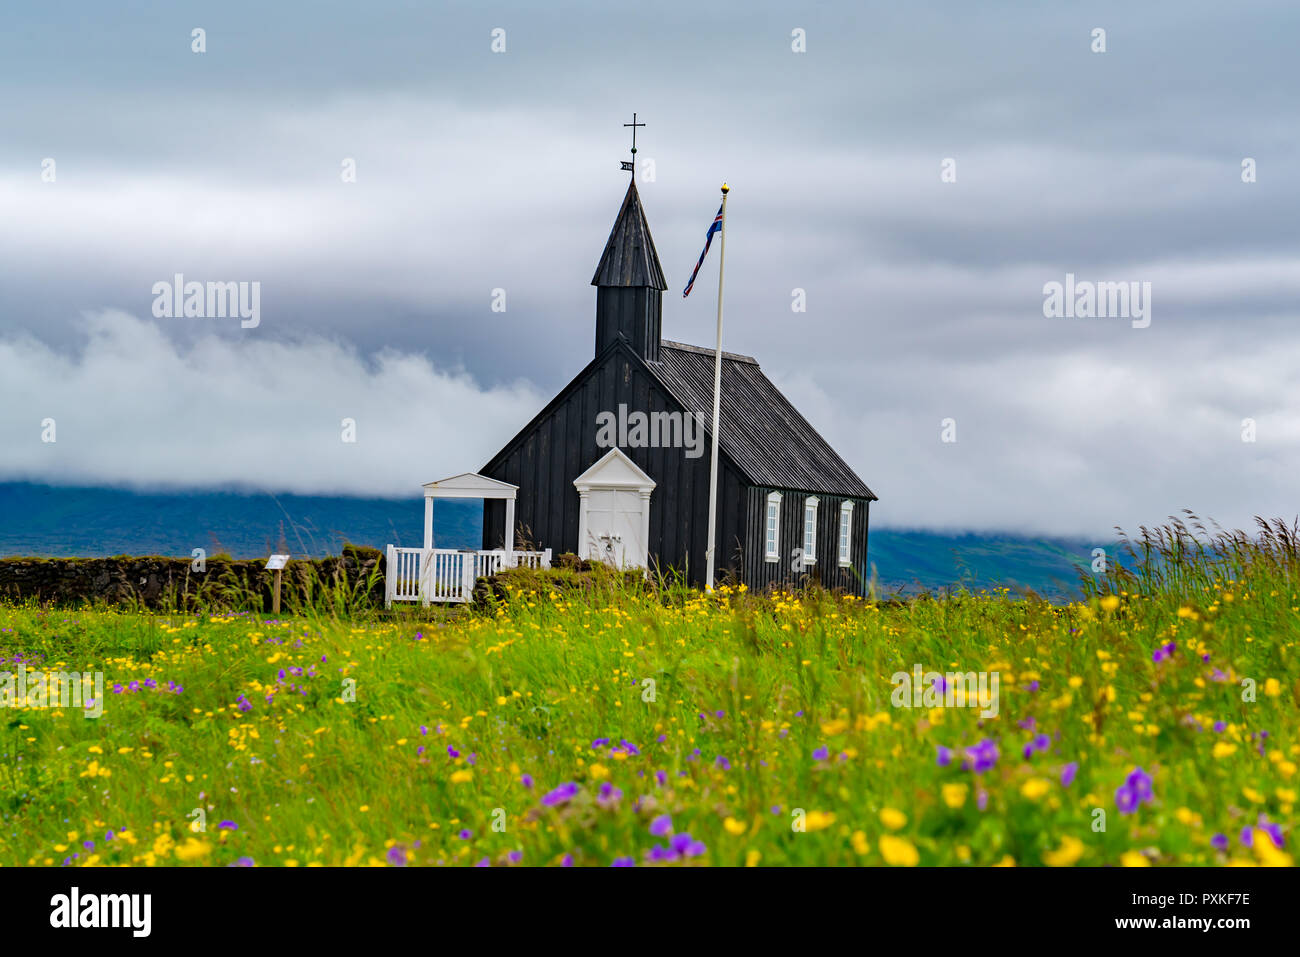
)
(637, 493)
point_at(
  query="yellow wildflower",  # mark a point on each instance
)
(1068, 853)
(898, 851)
(892, 818)
(1035, 788)
(954, 794)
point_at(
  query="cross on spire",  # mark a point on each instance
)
(631, 166)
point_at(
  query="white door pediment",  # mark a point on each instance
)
(614, 470)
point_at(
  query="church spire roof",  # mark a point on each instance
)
(629, 258)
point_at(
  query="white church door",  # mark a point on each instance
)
(614, 512)
(614, 520)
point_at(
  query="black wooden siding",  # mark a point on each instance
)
(761, 574)
(633, 313)
(560, 444)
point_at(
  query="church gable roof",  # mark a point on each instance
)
(758, 428)
(629, 258)
(760, 433)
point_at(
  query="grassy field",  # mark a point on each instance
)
(587, 722)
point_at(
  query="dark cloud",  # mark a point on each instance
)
(479, 171)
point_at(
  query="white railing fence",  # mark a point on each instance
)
(447, 575)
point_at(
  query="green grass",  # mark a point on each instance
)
(726, 702)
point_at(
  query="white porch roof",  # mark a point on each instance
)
(470, 485)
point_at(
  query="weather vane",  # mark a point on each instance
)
(631, 166)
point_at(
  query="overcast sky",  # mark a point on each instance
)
(478, 170)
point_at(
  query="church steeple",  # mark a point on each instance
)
(630, 283)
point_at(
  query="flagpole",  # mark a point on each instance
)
(710, 563)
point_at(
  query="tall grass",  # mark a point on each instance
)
(1185, 559)
(578, 709)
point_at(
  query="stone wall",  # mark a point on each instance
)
(165, 583)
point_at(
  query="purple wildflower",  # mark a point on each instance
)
(609, 794)
(659, 854)
(1126, 800)
(560, 795)
(983, 756)
(1140, 782)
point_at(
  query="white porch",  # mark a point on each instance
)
(432, 574)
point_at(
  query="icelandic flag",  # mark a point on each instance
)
(708, 241)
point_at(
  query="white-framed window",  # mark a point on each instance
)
(846, 533)
(772, 528)
(810, 530)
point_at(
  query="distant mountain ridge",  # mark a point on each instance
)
(89, 522)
